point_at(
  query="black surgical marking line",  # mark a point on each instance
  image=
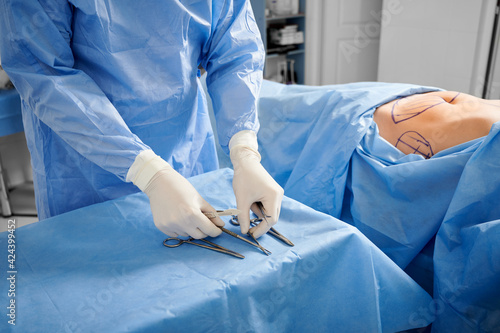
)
(454, 98)
(393, 115)
(420, 141)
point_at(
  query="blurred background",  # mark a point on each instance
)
(451, 44)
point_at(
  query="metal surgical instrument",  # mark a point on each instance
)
(229, 232)
(213, 246)
(276, 233)
(273, 232)
(266, 251)
(235, 212)
(226, 212)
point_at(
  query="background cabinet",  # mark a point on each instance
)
(277, 56)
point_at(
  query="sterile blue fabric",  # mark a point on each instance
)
(467, 248)
(10, 112)
(400, 200)
(102, 81)
(103, 268)
(322, 145)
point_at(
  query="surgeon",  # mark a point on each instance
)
(112, 103)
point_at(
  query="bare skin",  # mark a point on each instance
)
(426, 124)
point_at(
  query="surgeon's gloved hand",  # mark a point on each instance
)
(178, 209)
(252, 183)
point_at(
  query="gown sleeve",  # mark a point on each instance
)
(35, 44)
(234, 61)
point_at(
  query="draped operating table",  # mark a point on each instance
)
(103, 268)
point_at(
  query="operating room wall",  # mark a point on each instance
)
(441, 43)
(342, 38)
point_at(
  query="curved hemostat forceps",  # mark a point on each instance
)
(211, 246)
(235, 212)
(254, 222)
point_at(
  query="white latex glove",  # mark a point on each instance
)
(252, 183)
(178, 209)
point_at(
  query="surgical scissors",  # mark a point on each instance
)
(256, 244)
(235, 212)
(226, 212)
(272, 231)
(213, 246)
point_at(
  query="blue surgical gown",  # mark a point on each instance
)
(101, 81)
